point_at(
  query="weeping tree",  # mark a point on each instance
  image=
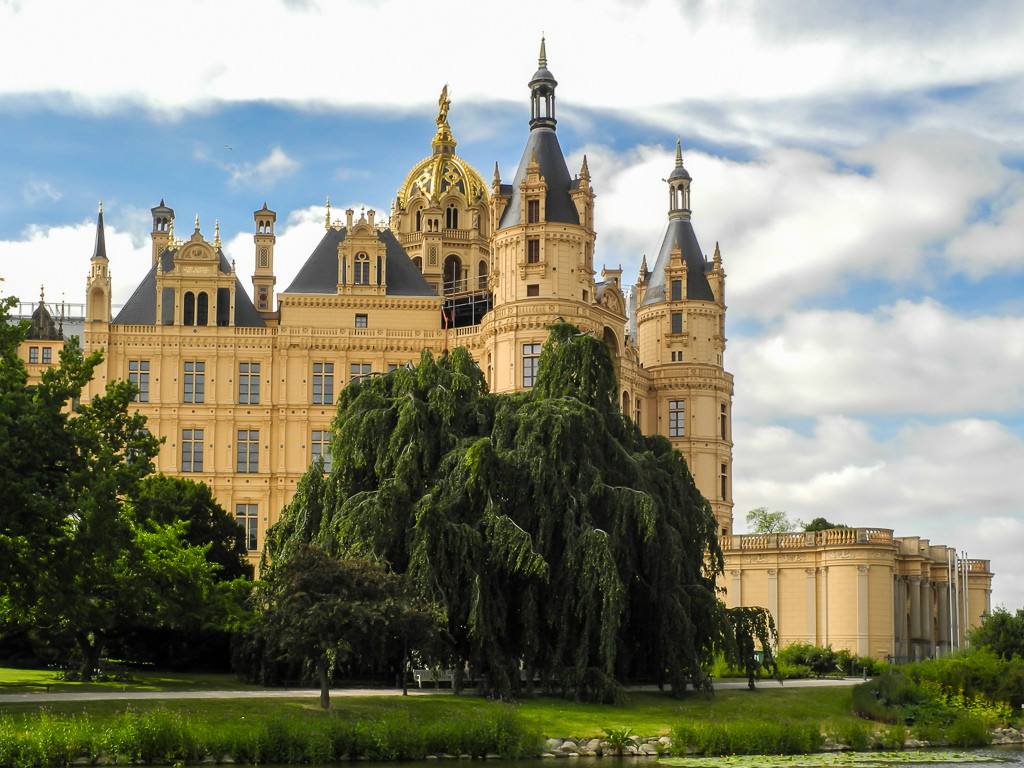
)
(563, 546)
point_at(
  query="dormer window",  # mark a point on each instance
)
(361, 270)
(532, 211)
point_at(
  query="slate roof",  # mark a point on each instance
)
(559, 207)
(697, 287)
(140, 309)
(320, 272)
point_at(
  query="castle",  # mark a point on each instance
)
(244, 389)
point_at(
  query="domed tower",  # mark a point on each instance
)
(681, 342)
(440, 216)
(542, 251)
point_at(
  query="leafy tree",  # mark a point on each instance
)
(821, 524)
(752, 629)
(166, 500)
(560, 542)
(760, 520)
(323, 612)
(75, 558)
(1002, 633)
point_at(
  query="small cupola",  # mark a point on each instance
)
(679, 188)
(542, 94)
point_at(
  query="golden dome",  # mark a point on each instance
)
(443, 172)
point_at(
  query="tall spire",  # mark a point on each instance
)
(100, 251)
(542, 93)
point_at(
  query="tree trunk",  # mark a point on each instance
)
(90, 644)
(325, 683)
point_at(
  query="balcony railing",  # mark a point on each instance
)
(813, 539)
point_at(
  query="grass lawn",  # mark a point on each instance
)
(37, 680)
(647, 714)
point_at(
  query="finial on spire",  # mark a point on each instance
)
(542, 60)
(101, 206)
(42, 293)
(197, 222)
(679, 154)
(585, 170)
(327, 218)
(216, 232)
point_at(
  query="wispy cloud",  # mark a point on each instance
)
(265, 173)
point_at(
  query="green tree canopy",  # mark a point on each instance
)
(166, 500)
(821, 524)
(324, 612)
(760, 520)
(77, 559)
(1002, 633)
(560, 542)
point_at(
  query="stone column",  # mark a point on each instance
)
(862, 610)
(824, 605)
(914, 595)
(943, 629)
(773, 596)
(736, 590)
(811, 598)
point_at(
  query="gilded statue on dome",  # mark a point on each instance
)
(443, 103)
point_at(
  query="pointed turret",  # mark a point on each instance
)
(543, 150)
(263, 279)
(98, 285)
(679, 235)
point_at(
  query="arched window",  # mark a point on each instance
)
(202, 309)
(482, 271)
(361, 270)
(418, 222)
(418, 261)
(625, 403)
(452, 217)
(188, 316)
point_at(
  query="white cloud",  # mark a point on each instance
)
(718, 51)
(910, 357)
(956, 483)
(274, 167)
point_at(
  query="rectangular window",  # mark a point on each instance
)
(361, 321)
(532, 250)
(248, 383)
(195, 382)
(323, 383)
(248, 451)
(33, 354)
(249, 521)
(392, 367)
(320, 445)
(46, 355)
(636, 412)
(531, 357)
(191, 450)
(533, 290)
(358, 369)
(138, 374)
(677, 290)
(677, 418)
(677, 322)
(533, 211)
(725, 482)
(724, 423)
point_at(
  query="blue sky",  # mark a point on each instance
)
(861, 166)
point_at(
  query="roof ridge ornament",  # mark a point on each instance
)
(542, 60)
(444, 142)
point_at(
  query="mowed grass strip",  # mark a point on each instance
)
(646, 714)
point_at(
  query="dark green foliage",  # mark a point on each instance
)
(976, 672)
(760, 520)
(821, 661)
(553, 534)
(821, 524)
(322, 612)
(76, 561)
(752, 629)
(165, 500)
(1002, 633)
